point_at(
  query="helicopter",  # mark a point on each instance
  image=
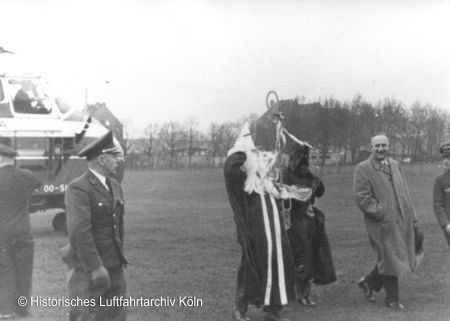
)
(48, 132)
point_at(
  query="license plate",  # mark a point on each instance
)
(50, 188)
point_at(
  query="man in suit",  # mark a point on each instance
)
(95, 210)
(16, 241)
(382, 195)
(441, 193)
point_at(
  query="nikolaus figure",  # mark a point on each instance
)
(265, 277)
(309, 242)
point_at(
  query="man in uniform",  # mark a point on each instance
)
(382, 195)
(95, 223)
(16, 241)
(441, 194)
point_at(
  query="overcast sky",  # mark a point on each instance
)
(216, 60)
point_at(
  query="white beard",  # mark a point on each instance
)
(257, 167)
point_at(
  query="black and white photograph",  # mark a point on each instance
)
(239, 160)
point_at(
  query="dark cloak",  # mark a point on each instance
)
(310, 246)
(248, 216)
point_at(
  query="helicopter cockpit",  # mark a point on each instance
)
(30, 96)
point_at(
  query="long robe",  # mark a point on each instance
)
(309, 241)
(389, 215)
(267, 264)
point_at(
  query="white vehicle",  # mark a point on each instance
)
(47, 133)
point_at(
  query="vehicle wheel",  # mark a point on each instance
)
(59, 222)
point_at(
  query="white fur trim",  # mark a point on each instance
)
(280, 261)
(269, 250)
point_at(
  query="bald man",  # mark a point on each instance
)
(382, 195)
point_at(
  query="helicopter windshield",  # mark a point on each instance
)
(2, 95)
(30, 97)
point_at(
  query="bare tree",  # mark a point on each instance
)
(323, 130)
(170, 137)
(435, 130)
(362, 125)
(127, 124)
(229, 132)
(418, 119)
(392, 121)
(215, 140)
(191, 137)
(150, 132)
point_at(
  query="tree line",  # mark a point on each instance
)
(344, 127)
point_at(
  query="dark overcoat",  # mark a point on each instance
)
(16, 188)
(389, 214)
(267, 263)
(16, 241)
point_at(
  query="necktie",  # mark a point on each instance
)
(385, 167)
(108, 183)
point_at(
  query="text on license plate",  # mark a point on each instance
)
(50, 188)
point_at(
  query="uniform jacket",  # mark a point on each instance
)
(16, 186)
(95, 222)
(267, 262)
(441, 198)
(389, 214)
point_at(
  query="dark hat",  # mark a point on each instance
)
(7, 151)
(101, 145)
(445, 150)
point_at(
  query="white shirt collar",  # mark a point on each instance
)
(100, 177)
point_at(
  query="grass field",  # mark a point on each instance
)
(181, 241)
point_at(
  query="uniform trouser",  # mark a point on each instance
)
(16, 269)
(378, 281)
(80, 286)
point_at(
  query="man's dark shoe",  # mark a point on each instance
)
(239, 316)
(395, 306)
(363, 285)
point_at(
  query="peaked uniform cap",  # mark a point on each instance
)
(445, 150)
(101, 145)
(7, 151)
